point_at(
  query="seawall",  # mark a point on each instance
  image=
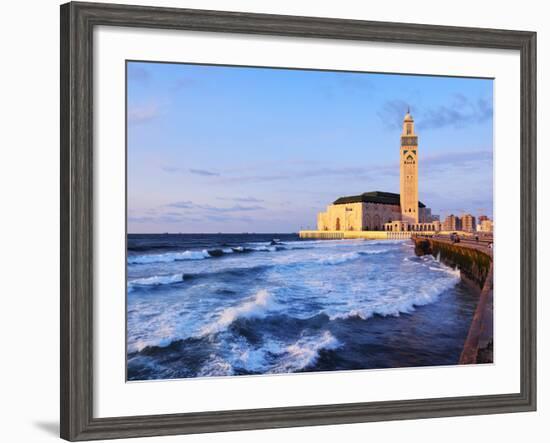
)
(475, 261)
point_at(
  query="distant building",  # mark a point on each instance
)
(451, 223)
(486, 226)
(376, 211)
(468, 223)
(482, 217)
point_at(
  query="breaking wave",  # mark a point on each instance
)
(304, 352)
(205, 253)
(167, 257)
(255, 307)
(342, 258)
(156, 280)
(398, 302)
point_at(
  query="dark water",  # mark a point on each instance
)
(232, 304)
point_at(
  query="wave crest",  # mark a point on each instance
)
(168, 257)
(256, 307)
(398, 302)
(305, 352)
(204, 254)
(155, 280)
(342, 258)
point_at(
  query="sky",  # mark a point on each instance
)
(238, 149)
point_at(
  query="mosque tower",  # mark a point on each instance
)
(409, 171)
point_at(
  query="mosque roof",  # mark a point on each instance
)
(383, 198)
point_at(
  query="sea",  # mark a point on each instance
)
(211, 305)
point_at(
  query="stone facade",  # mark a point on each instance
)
(360, 216)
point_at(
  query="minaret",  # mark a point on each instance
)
(409, 171)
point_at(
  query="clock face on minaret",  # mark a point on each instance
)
(409, 171)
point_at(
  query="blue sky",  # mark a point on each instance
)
(235, 149)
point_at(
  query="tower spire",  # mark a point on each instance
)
(409, 171)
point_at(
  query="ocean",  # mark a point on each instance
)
(201, 305)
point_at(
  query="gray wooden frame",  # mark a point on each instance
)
(77, 23)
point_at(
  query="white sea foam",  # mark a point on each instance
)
(215, 366)
(396, 301)
(265, 248)
(156, 280)
(168, 257)
(304, 352)
(278, 357)
(374, 251)
(255, 307)
(336, 259)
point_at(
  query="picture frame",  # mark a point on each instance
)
(78, 21)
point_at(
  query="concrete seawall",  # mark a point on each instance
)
(475, 262)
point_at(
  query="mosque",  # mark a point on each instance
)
(385, 211)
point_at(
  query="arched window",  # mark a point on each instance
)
(337, 223)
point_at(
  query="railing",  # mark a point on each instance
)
(328, 235)
(484, 242)
(391, 235)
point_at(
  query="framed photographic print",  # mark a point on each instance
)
(272, 221)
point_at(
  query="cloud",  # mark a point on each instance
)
(227, 218)
(203, 172)
(347, 84)
(461, 112)
(178, 170)
(242, 199)
(169, 217)
(142, 219)
(348, 172)
(182, 205)
(211, 209)
(458, 158)
(138, 74)
(370, 172)
(239, 208)
(138, 114)
(183, 83)
(171, 169)
(392, 114)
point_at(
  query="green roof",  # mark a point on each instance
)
(383, 198)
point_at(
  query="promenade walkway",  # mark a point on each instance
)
(484, 244)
